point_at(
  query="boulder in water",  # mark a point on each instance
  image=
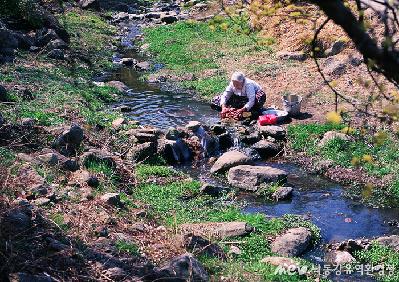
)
(267, 148)
(282, 193)
(229, 160)
(389, 241)
(250, 178)
(338, 257)
(277, 132)
(292, 243)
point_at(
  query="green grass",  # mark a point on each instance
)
(143, 171)
(127, 247)
(7, 157)
(63, 90)
(109, 179)
(179, 202)
(192, 47)
(380, 255)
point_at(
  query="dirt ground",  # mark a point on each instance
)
(345, 70)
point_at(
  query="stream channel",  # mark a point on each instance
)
(318, 199)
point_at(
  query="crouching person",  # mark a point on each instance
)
(241, 95)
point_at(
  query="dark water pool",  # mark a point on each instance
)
(150, 105)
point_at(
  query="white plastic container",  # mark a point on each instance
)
(292, 104)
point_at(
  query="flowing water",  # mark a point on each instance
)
(320, 200)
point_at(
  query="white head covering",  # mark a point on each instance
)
(238, 76)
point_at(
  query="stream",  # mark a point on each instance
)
(320, 200)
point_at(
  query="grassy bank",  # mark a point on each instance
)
(201, 55)
(370, 161)
(61, 90)
(178, 201)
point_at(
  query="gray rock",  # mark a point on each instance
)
(229, 160)
(169, 19)
(93, 181)
(277, 132)
(355, 61)
(115, 273)
(44, 36)
(266, 148)
(48, 159)
(70, 165)
(121, 16)
(117, 123)
(286, 263)
(29, 122)
(389, 241)
(282, 193)
(338, 257)
(336, 48)
(335, 67)
(225, 141)
(144, 135)
(295, 56)
(128, 62)
(153, 15)
(293, 243)
(118, 85)
(143, 66)
(141, 152)
(250, 178)
(57, 54)
(217, 230)
(200, 246)
(250, 139)
(113, 199)
(193, 125)
(69, 140)
(330, 135)
(16, 221)
(212, 190)
(89, 4)
(41, 201)
(57, 44)
(183, 268)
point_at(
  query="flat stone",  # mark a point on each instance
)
(336, 48)
(292, 243)
(217, 230)
(229, 160)
(338, 257)
(250, 178)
